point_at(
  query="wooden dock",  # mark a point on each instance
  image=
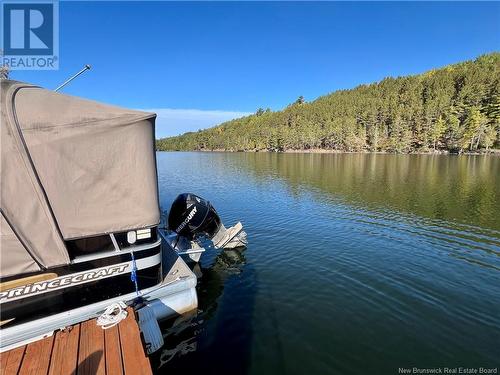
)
(84, 349)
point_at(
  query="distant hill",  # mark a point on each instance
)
(455, 108)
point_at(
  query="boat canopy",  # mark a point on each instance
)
(70, 168)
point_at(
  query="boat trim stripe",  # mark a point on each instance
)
(128, 250)
(77, 278)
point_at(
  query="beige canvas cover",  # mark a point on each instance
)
(14, 255)
(74, 168)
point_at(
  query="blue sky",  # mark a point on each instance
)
(198, 64)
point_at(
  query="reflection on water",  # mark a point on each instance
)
(180, 339)
(181, 334)
(461, 188)
(356, 264)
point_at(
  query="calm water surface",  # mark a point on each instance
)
(356, 264)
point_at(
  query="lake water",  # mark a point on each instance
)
(356, 264)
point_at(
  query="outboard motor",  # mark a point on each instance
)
(192, 217)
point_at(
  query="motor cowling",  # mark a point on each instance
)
(191, 215)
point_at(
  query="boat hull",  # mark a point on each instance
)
(164, 280)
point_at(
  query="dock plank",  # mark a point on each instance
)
(135, 360)
(65, 352)
(91, 356)
(36, 359)
(84, 348)
(114, 364)
(11, 361)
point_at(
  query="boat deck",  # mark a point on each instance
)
(83, 349)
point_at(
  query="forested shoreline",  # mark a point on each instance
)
(451, 109)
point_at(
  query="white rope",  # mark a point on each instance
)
(113, 315)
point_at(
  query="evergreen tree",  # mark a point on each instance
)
(438, 131)
(453, 132)
(300, 100)
(4, 72)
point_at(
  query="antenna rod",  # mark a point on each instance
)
(86, 67)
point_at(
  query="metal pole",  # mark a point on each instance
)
(86, 67)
